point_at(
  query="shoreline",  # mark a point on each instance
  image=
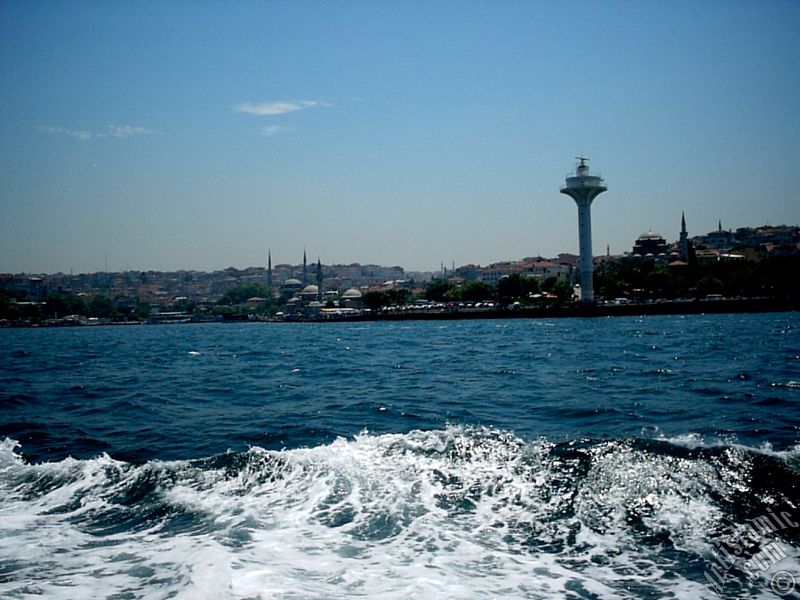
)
(694, 307)
(576, 310)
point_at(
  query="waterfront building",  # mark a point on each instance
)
(706, 256)
(716, 240)
(583, 188)
(492, 274)
(543, 269)
(26, 286)
(529, 267)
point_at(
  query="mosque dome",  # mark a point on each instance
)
(310, 290)
(352, 294)
(292, 282)
(650, 235)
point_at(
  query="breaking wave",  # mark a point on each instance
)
(462, 512)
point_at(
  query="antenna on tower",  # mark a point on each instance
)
(582, 170)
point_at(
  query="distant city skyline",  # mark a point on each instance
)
(199, 136)
(713, 241)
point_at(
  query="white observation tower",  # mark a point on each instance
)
(583, 188)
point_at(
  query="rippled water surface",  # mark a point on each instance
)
(518, 458)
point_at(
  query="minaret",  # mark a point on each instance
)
(583, 188)
(319, 280)
(684, 240)
(269, 269)
(305, 268)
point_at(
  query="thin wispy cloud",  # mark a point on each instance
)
(271, 130)
(116, 131)
(78, 134)
(123, 131)
(282, 107)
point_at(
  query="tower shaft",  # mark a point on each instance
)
(583, 188)
(586, 260)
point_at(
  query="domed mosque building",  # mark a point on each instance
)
(352, 298)
(651, 245)
(303, 299)
(311, 299)
(306, 300)
(291, 287)
(310, 293)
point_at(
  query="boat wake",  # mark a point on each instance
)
(458, 513)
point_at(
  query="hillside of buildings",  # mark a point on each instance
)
(748, 262)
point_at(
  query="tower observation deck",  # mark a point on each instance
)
(583, 188)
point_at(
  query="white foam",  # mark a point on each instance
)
(459, 513)
(692, 441)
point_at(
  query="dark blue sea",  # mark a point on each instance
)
(653, 457)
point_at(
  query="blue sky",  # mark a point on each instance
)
(198, 135)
